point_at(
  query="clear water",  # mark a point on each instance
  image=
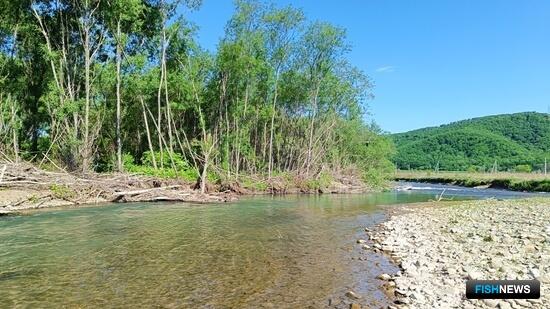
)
(277, 252)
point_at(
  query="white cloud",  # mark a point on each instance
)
(386, 69)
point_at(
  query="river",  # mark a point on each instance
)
(273, 252)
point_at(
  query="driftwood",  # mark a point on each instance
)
(57, 188)
(170, 198)
(2, 173)
(41, 200)
(21, 182)
(144, 191)
(441, 195)
(118, 196)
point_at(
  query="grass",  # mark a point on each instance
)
(254, 184)
(532, 182)
(62, 192)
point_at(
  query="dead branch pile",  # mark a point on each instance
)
(43, 187)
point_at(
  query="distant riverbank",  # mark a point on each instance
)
(509, 181)
(440, 245)
(24, 186)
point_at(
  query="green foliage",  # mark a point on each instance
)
(322, 181)
(62, 192)
(363, 147)
(512, 141)
(182, 168)
(523, 168)
(254, 184)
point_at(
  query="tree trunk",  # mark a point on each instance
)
(118, 98)
(14, 131)
(87, 60)
(148, 134)
(204, 173)
(159, 109)
(159, 120)
(270, 164)
(168, 109)
(310, 143)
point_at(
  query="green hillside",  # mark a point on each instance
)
(514, 141)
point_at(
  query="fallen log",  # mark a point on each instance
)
(134, 192)
(27, 199)
(120, 195)
(179, 198)
(2, 173)
(22, 182)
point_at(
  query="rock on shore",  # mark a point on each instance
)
(441, 245)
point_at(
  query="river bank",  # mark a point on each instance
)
(528, 182)
(439, 245)
(24, 186)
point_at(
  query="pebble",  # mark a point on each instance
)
(506, 239)
(473, 275)
(352, 294)
(492, 303)
(535, 273)
(522, 302)
(504, 305)
(384, 277)
(390, 284)
(417, 296)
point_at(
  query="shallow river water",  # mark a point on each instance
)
(272, 252)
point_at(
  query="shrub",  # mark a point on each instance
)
(524, 168)
(62, 192)
(182, 167)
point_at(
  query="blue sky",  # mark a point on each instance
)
(433, 61)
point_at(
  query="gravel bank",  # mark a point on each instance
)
(440, 245)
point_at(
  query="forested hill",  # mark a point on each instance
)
(514, 141)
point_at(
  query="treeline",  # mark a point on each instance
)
(109, 85)
(514, 142)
